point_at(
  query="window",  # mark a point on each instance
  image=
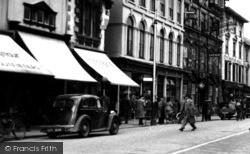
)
(151, 43)
(39, 14)
(226, 71)
(185, 57)
(142, 40)
(193, 57)
(240, 53)
(161, 46)
(162, 7)
(142, 3)
(90, 19)
(179, 12)
(152, 5)
(27, 13)
(234, 49)
(226, 45)
(171, 9)
(234, 72)
(130, 37)
(170, 49)
(178, 51)
(40, 17)
(202, 61)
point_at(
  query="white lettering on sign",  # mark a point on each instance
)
(6, 54)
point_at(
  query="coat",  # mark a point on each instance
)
(189, 110)
(140, 108)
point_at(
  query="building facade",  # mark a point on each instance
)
(136, 29)
(246, 60)
(203, 49)
(232, 55)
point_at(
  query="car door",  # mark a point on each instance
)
(102, 114)
(88, 107)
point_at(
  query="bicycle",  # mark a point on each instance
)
(11, 124)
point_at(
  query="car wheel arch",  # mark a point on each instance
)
(80, 119)
(112, 117)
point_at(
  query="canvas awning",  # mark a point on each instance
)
(101, 63)
(56, 57)
(14, 59)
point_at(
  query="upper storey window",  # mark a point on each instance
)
(39, 14)
(88, 21)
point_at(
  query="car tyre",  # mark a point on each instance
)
(52, 135)
(84, 128)
(114, 127)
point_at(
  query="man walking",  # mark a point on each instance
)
(188, 110)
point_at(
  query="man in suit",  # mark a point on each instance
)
(188, 111)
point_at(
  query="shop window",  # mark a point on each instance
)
(39, 14)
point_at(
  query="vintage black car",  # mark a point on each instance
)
(80, 113)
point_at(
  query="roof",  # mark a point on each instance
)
(75, 95)
(235, 14)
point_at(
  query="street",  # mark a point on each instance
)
(220, 136)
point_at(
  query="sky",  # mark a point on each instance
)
(242, 7)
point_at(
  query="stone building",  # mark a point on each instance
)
(232, 54)
(136, 29)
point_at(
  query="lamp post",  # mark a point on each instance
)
(153, 122)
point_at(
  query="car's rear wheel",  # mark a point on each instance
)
(114, 127)
(84, 128)
(52, 135)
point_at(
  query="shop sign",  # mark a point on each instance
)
(214, 54)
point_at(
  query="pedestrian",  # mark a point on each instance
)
(125, 108)
(161, 110)
(168, 110)
(188, 110)
(204, 111)
(238, 107)
(140, 109)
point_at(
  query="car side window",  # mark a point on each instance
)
(92, 103)
(84, 104)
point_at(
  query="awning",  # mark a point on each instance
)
(105, 67)
(56, 57)
(14, 59)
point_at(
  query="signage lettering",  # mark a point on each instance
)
(6, 54)
(19, 66)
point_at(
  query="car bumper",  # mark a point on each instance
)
(56, 128)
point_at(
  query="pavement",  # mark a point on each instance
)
(35, 132)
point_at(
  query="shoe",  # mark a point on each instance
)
(193, 129)
(181, 129)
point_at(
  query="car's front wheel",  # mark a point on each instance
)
(114, 127)
(84, 128)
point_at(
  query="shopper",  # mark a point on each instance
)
(188, 110)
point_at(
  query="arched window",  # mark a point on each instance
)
(161, 45)
(130, 35)
(142, 40)
(170, 48)
(178, 51)
(151, 43)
